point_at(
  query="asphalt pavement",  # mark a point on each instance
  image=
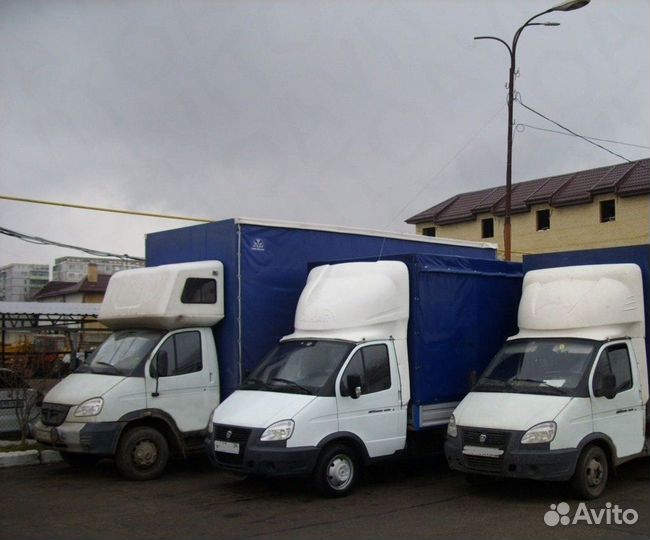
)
(403, 500)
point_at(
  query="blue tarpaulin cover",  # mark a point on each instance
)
(462, 311)
(265, 270)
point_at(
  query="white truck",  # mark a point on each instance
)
(146, 391)
(566, 398)
(380, 355)
(187, 329)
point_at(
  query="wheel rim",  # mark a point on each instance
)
(595, 471)
(340, 472)
(145, 453)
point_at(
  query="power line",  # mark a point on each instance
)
(518, 99)
(585, 136)
(102, 209)
(44, 242)
(442, 169)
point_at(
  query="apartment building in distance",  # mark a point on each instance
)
(74, 269)
(19, 282)
(602, 207)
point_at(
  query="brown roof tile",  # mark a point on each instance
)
(60, 288)
(623, 179)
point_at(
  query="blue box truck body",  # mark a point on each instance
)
(266, 266)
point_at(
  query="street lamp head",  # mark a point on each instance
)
(570, 5)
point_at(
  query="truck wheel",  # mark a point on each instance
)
(337, 471)
(592, 470)
(142, 454)
(80, 461)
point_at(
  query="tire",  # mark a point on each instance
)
(142, 454)
(592, 470)
(80, 461)
(337, 471)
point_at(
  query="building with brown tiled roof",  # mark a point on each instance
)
(89, 290)
(603, 207)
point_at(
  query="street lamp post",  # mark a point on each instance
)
(568, 5)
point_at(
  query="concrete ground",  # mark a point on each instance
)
(394, 501)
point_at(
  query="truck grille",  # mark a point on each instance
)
(491, 439)
(484, 464)
(53, 414)
(232, 434)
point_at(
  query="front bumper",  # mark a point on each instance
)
(264, 459)
(93, 438)
(536, 462)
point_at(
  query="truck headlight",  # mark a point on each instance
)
(541, 433)
(280, 431)
(90, 407)
(452, 430)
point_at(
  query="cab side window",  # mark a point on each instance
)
(183, 354)
(199, 291)
(372, 365)
(616, 360)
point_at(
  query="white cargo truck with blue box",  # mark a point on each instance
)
(566, 398)
(212, 301)
(379, 356)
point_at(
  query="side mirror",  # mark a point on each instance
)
(605, 386)
(159, 365)
(354, 386)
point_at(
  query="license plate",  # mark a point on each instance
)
(482, 451)
(226, 447)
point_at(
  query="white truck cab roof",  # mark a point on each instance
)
(595, 302)
(165, 297)
(354, 301)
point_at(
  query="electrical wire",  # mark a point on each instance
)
(442, 169)
(571, 135)
(44, 242)
(102, 209)
(518, 99)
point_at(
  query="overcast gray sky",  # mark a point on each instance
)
(357, 112)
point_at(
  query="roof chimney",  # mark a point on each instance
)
(92, 273)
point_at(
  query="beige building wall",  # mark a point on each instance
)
(571, 227)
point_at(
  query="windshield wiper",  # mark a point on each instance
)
(254, 381)
(115, 370)
(490, 382)
(544, 383)
(292, 383)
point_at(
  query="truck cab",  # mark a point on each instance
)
(333, 395)
(148, 390)
(566, 398)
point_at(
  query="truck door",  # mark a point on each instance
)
(185, 383)
(376, 416)
(620, 417)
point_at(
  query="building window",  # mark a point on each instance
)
(543, 220)
(487, 228)
(429, 231)
(607, 211)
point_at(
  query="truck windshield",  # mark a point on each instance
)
(544, 366)
(122, 352)
(300, 367)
